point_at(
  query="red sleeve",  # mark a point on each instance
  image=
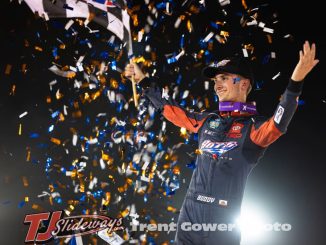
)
(266, 134)
(182, 118)
(172, 111)
(272, 129)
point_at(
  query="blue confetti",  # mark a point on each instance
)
(21, 204)
(182, 41)
(301, 102)
(34, 135)
(55, 114)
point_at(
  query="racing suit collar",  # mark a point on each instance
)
(234, 114)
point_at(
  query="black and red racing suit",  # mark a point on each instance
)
(230, 145)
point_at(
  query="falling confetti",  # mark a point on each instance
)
(97, 147)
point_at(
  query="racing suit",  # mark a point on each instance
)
(230, 145)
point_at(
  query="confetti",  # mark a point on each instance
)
(224, 2)
(276, 76)
(20, 129)
(57, 71)
(208, 37)
(8, 69)
(109, 151)
(69, 24)
(25, 181)
(245, 53)
(23, 114)
(268, 30)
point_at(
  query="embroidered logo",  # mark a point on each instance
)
(221, 63)
(279, 114)
(235, 131)
(214, 123)
(223, 202)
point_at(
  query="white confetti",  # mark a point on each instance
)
(245, 52)
(144, 178)
(206, 84)
(261, 24)
(92, 183)
(65, 110)
(74, 139)
(165, 93)
(23, 114)
(69, 24)
(52, 83)
(92, 86)
(73, 68)
(224, 2)
(276, 76)
(145, 165)
(268, 30)
(167, 7)
(185, 94)
(102, 163)
(177, 23)
(77, 84)
(44, 193)
(140, 36)
(163, 126)
(150, 20)
(252, 23)
(92, 141)
(209, 36)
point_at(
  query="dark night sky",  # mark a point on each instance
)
(289, 181)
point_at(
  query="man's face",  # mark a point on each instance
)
(227, 87)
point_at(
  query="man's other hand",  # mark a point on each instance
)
(306, 62)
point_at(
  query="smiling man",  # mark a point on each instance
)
(231, 141)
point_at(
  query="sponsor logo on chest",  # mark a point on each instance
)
(235, 130)
(215, 123)
(217, 148)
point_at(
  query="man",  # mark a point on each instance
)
(231, 141)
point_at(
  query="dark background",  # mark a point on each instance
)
(288, 183)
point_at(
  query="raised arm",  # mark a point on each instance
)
(172, 111)
(265, 133)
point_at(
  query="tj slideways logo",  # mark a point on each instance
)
(58, 226)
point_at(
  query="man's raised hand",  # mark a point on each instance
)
(306, 62)
(132, 69)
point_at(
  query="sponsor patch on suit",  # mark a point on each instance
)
(235, 130)
(214, 123)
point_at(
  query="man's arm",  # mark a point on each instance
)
(172, 111)
(272, 129)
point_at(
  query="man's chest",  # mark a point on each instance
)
(219, 135)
